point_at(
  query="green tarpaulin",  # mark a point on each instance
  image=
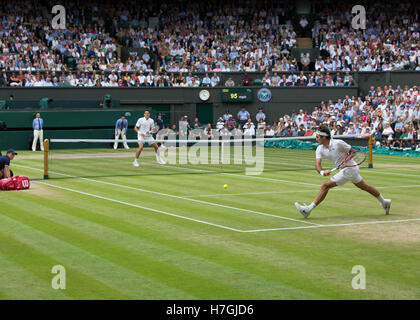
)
(308, 145)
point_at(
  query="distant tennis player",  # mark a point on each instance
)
(145, 126)
(336, 151)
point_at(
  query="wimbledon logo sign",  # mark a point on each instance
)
(264, 95)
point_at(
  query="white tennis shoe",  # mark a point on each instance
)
(160, 160)
(304, 210)
(135, 163)
(387, 205)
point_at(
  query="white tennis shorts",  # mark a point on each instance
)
(347, 174)
(147, 139)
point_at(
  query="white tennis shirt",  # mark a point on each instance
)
(145, 126)
(336, 151)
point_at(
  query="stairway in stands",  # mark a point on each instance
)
(304, 43)
(303, 8)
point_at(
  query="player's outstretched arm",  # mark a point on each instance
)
(319, 168)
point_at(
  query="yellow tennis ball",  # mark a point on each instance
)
(225, 186)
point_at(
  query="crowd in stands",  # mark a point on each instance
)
(391, 115)
(184, 36)
(391, 40)
(165, 79)
(314, 79)
(191, 37)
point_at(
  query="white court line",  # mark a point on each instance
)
(394, 173)
(218, 225)
(259, 230)
(331, 225)
(180, 197)
(239, 175)
(141, 207)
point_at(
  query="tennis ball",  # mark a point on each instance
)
(225, 186)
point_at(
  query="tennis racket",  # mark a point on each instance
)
(358, 156)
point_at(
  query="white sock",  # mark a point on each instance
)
(312, 206)
(380, 199)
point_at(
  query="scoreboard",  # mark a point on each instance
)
(237, 95)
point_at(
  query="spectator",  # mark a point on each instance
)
(260, 115)
(215, 80)
(159, 122)
(305, 62)
(226, 115)
(249, 130)
(208, 131)
(196, 123)
(246, 80)
(229, 82)
(388, 131)
(220, 123)
(243, 116)
(231, 123)
(206, 81)
(269, 132)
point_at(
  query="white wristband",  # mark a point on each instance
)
(321, 172)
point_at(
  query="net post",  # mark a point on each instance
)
(46, 151)
(370, 151)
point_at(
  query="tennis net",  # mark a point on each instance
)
(243, 155)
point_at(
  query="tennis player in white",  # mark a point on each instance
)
(336, 150)
(145, 127)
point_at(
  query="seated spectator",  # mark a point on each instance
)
(260, 115)
(208, 131)
(388, 131)
(305, 61)
(226, 115)
(206, 81)
(237, 132)
(269, 132)
(261, 124)
(249, 129)
(301, 132)
(229, 83)
(243, 116)
(224, 132)
(231, 123)
(220, 123)
(215, 80)
(246, 80)
(196, 123)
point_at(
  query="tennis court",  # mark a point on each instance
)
(124, 232)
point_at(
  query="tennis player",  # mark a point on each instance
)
(336, 150)
(145, 126)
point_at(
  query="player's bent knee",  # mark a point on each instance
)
(328, 185)
(325, 186)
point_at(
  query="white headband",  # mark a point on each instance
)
(322, 134)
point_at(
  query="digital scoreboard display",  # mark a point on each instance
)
(237, 95)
